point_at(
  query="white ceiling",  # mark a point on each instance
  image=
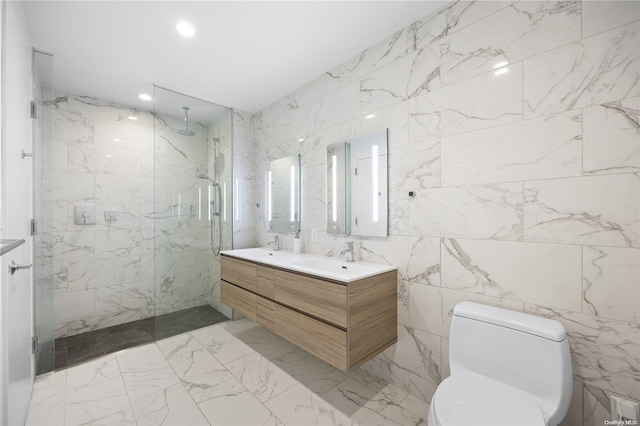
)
(245, 54)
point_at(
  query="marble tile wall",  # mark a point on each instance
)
(156, 258)
(103, 273)
(518, 126)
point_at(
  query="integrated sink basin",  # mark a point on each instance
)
(258, 253)
(320, 266)
(334, 266)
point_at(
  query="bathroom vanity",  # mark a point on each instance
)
(343, 313)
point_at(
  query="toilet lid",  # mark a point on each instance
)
(469, 399)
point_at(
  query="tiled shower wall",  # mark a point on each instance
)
(527, 178)
(104, 273)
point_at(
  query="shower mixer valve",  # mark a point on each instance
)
(85, 215)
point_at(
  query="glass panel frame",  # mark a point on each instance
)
(43, 270)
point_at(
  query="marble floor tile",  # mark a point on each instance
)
(148, 374)
(214, 384)
(237, 326)
(222, 344)
(170, 406)
(416, 406)
(369, 401)
(89, 403)
(239, 409)
(214, 376)
(317, 376)
(187, 356)
(263, 379)
(263, 341)
(48, 400)
(300, 406)
(123, 418)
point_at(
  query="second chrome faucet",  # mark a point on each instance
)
(348, 250)
(275, 242)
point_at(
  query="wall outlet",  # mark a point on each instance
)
(624, 409)
(314, 235)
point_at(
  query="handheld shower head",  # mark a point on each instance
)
(203, 175)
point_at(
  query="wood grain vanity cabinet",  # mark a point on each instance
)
(344, 324)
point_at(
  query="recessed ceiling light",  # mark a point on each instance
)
(145, 97)
(132, 118)
(370, 116)
(185, 29)
(108, 155)
(301, 140)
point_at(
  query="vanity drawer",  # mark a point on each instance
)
(266, 313)
(241, 300)
(322, 299)
(264, 282)
(322, 340)
(238, 272)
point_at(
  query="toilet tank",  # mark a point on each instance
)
(521, 350)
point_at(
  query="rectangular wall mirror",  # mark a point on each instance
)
(357, 186)
(283, 195)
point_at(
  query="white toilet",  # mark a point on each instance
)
(507, 368)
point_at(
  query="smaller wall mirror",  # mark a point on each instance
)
(357, 197)
(283, 195)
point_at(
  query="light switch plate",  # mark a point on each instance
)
(85, 215)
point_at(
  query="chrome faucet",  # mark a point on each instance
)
(348, 250)
(276, 243)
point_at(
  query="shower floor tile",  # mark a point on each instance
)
(83, 347)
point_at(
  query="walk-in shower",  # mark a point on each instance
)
(148, 268)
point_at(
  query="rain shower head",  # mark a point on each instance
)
(186, 131)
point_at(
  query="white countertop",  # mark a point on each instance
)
(311, 264)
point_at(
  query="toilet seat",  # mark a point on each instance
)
(470, 399)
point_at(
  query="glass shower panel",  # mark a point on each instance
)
(191, 213)
(43, 212)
